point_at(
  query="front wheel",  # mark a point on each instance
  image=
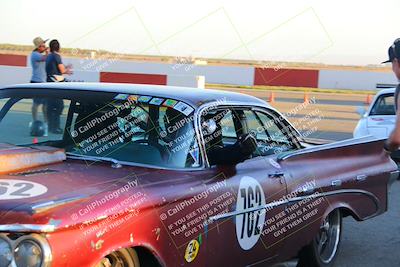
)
(323, 250)
(126, 257)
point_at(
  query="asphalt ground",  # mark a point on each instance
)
(371, 243)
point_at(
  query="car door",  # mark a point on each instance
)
(236, 237)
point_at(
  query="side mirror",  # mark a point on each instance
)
(361, 111)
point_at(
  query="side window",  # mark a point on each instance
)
(229, 135)
(272, 128)
(271, 138)
(384, 106)
(18, 128)
(219, 129)
(3, 101)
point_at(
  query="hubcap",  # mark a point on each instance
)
(328, 237)
(115, 259)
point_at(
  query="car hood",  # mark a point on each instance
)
(58, 191)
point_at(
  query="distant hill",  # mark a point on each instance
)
(87, 53)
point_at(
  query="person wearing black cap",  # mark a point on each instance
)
(393, 142)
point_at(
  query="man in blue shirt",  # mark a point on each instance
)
(38, 63)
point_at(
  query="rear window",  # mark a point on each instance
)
(384, 105)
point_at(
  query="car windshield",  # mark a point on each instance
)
(384, 105)
(145, 130)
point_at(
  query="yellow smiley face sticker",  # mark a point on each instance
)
(191, 250)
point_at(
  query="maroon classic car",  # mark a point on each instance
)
(144, 175)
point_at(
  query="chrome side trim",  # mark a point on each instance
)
(361, 177)
(133, 164)
(274, 204)
(40, 207)
(23, 228)
(353, 141)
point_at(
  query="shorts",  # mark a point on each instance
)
(39, 101)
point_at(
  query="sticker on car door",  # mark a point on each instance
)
(249, 225)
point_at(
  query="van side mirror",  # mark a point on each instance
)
(361, 111)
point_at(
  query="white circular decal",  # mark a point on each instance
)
(249, 225)
(17, 189)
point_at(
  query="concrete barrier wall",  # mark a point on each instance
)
(185, 80)
(213, 74)
(356, 80)
(114, 70)
(14, 75)
(286, 77)
(138, 78)
(13, 60)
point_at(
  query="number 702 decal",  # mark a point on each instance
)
(250, 224)
(17, 189)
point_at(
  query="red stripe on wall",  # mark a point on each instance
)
(115, 77)
(13, 60)
(286, 77)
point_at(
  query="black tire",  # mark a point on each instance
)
(323, 250)
(126, 257)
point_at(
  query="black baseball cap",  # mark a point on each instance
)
(394, 51)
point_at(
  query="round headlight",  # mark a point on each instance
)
(5, 253)
(28, 253)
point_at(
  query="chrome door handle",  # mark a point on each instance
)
(336, 183)
(308, 191)
(276, 175)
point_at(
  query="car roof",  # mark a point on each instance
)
(387, 91)
(193, 96)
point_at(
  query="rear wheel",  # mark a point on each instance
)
(323, 250)
(126, 257)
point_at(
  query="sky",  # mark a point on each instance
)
(344, 32)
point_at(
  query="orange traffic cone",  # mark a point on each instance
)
(35, 140)
(368, 100)
(271, 97)
(306, 99)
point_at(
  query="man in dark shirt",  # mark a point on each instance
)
(55, 69)
(393, 142)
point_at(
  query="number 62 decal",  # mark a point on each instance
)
(17, 189)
